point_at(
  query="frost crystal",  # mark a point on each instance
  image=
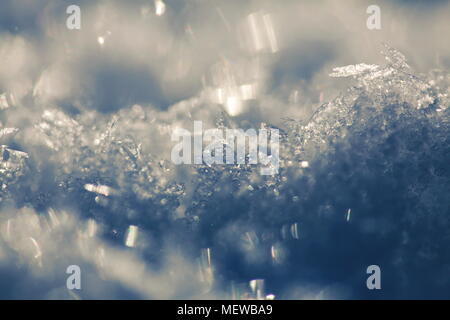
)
(354, 70)
(7, 132)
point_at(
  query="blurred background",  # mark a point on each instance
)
(143, 67)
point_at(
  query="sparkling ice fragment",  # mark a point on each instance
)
(100, 189)
(353, 70)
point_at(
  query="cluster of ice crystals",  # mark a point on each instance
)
(390, 130)
(378, 88)
(12, 167)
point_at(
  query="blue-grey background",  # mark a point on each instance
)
(130, 76)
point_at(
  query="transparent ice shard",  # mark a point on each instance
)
(354, 70)
(395, 58)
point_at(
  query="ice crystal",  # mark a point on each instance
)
(7, 132)
(354, 70)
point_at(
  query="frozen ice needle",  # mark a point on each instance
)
(353, 70)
